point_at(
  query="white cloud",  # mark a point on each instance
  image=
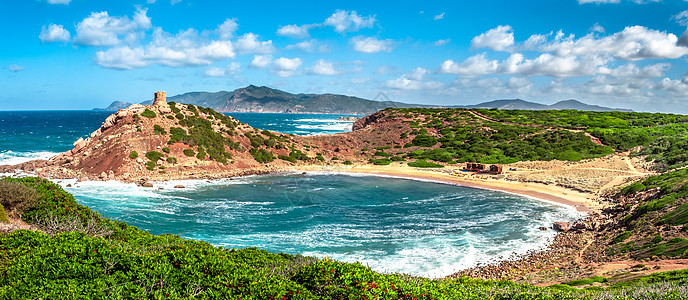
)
(472, 66)
(295, 31)
(633, 43)
(260, 61)
(54, 33)
(438, 17)
(413, 80)
(100, 29)
(442, 42)
(226, 30)
(322, 67)
(597, 28)
(631, 70)
(15, 68)
(64, 2)
(151, 1)
(498, 39)
(285, 67)
(371, 44)
(173, 2)
(249, 44)
(183, 49)
(231, 69)
(346, 21)
(308, 46)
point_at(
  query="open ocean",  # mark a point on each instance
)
(389, 224)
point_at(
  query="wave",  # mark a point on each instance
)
(323, 120)
(328, 127)
(10, 157)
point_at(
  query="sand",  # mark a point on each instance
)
(582, 202)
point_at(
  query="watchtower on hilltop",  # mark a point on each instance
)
(160, 98)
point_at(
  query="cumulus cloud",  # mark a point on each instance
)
(632, 43)
(226, 30)
(442, 42)
(348, 21)
(295, 31)
(370, 44)
(472, 66)
(308, 46)
(498, 39)
(249, 44)
(413, 80)
(15, 68)
(54, 33)
(597, 28)
(183, 49)
(285, 67)
(260, 61)
(322, 67)
(438, 17)
(100, 29)
(231, 69)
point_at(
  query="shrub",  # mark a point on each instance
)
(287, 158)
(133, 155)
(348, 162)
(622, 237)
(189, 152)
(261, 155)
(150, 165)
(148, 113)
(18, 197)
(424, 164)
(380, 162)
(201, 154)
(172, 160)
(423, 140)
(166, 150)
(154, 155)
(157, 129)
(381, 153)
(3, 215)
(397, 158)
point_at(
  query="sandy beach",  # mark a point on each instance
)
(582, 202)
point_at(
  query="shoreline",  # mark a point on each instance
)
(581, 202)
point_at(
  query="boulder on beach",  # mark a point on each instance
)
(179, 186)
(561, 226)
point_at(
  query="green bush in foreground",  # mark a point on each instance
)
(148, 113)
(133, 155)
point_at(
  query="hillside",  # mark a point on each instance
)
(263, 99)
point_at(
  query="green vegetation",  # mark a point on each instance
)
(380, 162)
(287, 158)
(201, 133)
(154, 155)
(133, 155)
(166, 150)
(189, 152)
(147, 113)
(172, 160)
(348, 162)
(462, 137)
(424, 164)
(587, 281)
(150, 165)
(262, 155)
(3, 215)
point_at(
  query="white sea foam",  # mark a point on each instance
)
(328, 127)
(323, 120)
(10, 157)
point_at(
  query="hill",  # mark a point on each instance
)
(261, 99)
(527, 105)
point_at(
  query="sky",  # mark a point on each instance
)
(81, 54)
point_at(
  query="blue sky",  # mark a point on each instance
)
(79, 54)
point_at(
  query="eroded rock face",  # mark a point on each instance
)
(561, 226)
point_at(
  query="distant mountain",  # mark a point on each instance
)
(527, 105)
(261, 99)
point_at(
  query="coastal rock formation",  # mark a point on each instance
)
(561, 226)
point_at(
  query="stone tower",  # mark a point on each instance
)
(160, 98)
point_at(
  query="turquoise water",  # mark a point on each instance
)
(389, 224)
(392, 225)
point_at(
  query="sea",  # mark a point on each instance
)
(389, 224)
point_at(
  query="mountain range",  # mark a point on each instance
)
(261, 99)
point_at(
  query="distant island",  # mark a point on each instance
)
(262, 99)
